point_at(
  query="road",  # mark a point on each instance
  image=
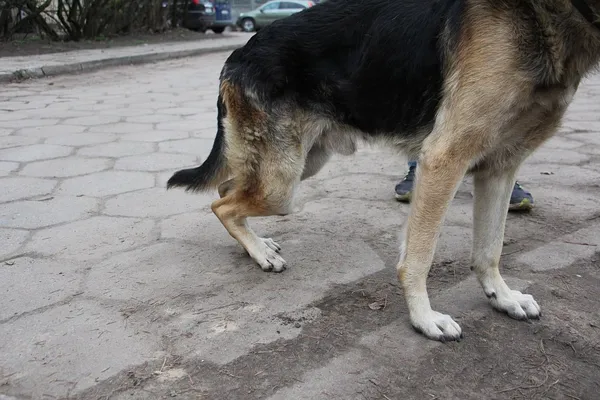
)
(113, 288)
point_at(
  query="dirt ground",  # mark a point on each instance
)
(27, 45)
(505, 359)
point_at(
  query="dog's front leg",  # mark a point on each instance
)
(492, 194)
(438, 177)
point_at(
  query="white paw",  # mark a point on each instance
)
(437, 326)
(516, 304)
(268, 259)
(271, 244)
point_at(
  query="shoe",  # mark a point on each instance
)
(520, 199)
(404, 188)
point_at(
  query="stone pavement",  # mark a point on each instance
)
(113, 288)
(12, 68)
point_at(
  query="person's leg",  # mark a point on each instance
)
(520, 199)
(404, 188)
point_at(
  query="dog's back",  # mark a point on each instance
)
(376, 66)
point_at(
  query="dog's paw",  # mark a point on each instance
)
(516, 304)
(437, 326)
(271, 244)
(268, 259)
(264, 252)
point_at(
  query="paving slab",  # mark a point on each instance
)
(91, 239)
(50, 210)
(29, 284)
(69, 348)
(12, 240)
(35, 152)
(15, 188)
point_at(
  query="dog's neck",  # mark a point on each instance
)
(585, 10)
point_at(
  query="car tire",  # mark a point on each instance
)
(219, 29)
(248, 25)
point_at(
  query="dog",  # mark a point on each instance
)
(467, 86)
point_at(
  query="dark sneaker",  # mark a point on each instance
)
(520, 200)
(404, 188)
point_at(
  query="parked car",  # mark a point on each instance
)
(202, 15)
(269, 12)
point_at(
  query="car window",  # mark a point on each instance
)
(271, 6)
(288, 5)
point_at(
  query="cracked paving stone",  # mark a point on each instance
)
(15, 188)
(95, 107)
(34, 152)
(57, 113)
(69, 348)
(182, 111)
(184, 125)
(65, 167)
(588, 138)
(155, 162)
(556, 174)
(118, 149)
(10, 116)
(151, 118)
(587, 126)
(153, 105)
(155, 202)
(107, 183)
(15, 141)
(92, 238)
(563, 252)
(51, 131)
(200, 147)
(154, 271)
(123, 112)
(82, 139)
(45, 212)
(571, 204)
(93, 120)
(561, 142)
(205, 133)
(24, 123)
(27, 284)
(7, 167)
(123, 127)
(155, 136)
(12, 240)
(547, 155)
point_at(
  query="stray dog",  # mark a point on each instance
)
(467, 86)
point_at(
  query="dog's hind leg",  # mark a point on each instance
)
(233, 211)
(265, 190)
(492, 194)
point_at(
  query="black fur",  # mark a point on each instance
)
(199, 178)
(376, 65)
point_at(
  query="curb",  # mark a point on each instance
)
(88, 66)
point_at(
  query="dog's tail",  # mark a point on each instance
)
(213, 170)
